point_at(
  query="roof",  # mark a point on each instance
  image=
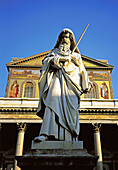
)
(36, 61)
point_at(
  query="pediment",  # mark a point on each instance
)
(32, 62)
(36, 61)
(93, 63)
(90, 64)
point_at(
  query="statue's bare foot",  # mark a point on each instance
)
(40, 138)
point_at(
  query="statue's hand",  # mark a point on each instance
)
(64, 60)
(75, 56)
(86, 90)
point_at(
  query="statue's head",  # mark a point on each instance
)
(66, 37)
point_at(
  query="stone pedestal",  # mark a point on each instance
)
(57, 145)
(58, 155)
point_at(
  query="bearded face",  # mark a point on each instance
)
(65, 42)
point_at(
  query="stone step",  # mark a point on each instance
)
(69, 145)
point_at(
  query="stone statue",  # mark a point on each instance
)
(63, 79)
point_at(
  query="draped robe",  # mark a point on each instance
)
(60, 88)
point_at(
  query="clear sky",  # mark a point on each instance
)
(29, 27)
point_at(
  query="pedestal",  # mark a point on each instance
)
(58, 155)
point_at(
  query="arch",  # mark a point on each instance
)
(28, 91)
(94, 92)
(28, 88)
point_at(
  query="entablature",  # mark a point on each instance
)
(91, 110)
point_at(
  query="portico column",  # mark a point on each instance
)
(1, 156)
(97, 145)
(0, 135)
(20, 141)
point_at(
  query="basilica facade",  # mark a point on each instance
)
(19, 123)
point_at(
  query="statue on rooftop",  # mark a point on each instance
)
(62, 81)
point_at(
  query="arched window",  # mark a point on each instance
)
(91, 94)
(94, 92)
(28, 91)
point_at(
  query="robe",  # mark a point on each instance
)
(60, 87)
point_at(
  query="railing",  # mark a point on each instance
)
(33, 102)
(14, 110)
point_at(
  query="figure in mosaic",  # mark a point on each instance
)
(14, 89)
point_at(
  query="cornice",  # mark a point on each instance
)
(100, 68)
(26, 111)
(39, 66)
(25, 66)
(96, 111)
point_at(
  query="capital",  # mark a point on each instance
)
(96, 127)
(21, 126)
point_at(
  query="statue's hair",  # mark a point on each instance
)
(72, 39)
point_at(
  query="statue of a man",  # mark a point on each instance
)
(63, 79)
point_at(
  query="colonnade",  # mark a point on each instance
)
(97, 143)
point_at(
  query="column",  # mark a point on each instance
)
(0, 136)
(1, 155)
(20, 141)
(97, 145)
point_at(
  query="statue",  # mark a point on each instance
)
(62, 81)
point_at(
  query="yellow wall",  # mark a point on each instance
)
(32, 74)
(99, 83)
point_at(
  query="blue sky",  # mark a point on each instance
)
(28, 27)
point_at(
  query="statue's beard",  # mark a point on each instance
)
(64, 47)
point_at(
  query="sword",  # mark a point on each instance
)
(80, 38)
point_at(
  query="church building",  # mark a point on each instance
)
(19, 124)
(24, 74)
